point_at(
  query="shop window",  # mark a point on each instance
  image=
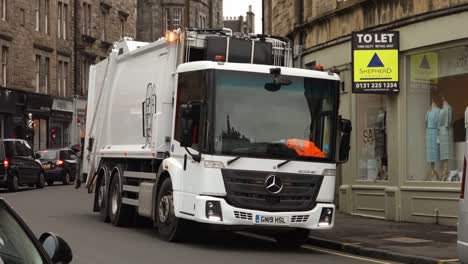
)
(372, 137)
(437, 114)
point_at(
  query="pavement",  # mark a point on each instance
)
(67, 212)
(396, 241)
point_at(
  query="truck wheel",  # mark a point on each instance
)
(292, 239)
(40, 181)
(120, 214)
(13, 183)
(169, 226)
(102, 198)
(66, 178)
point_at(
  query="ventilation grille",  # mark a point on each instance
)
(299, 218)
(243, 215)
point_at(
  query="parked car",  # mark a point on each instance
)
(19, 245)
(463, 218)
(18, 165)
(59, 165)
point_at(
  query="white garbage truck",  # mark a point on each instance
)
(209, 128)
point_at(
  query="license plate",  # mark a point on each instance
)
(46, 166)
(271, 220)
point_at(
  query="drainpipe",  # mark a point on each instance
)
(263, 17)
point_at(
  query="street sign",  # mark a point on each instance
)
(375, 58)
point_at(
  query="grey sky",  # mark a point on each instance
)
(240, 7)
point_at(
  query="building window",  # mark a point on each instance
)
(46, 75)
(87, 19)
(85, 64)
(4, 9)
(437, 114)
(59, 78)
(38, 73)
(4, 66)
(38, 15)
(59, 20)
(122, 27)
(176, 18)
(64, 21)
(372, 137)
(46, 16)
(65, 79)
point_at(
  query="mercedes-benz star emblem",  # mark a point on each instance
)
(273, 184)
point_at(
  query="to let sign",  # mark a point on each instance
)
(375, 58)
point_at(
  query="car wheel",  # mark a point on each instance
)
(120, 214)
(292, 239)
(169, 226)
(50, 182)
(40, 181)
(13, 183)
(66, 178)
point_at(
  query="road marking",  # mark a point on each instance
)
(319, 249)
(344, 255)
(442, 261)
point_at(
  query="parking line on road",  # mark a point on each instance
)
(343, 255)
(442, 261)
(317, 249)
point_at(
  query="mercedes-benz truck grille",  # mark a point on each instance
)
(248, 189)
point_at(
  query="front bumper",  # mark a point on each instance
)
(233, 216)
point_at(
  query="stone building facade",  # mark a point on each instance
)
(390, 174)
(241, 25)
(155, 17)
(44, 44)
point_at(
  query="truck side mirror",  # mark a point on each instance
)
(186, 119)
(345, 143)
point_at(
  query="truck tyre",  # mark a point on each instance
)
(13, 183)
(169, 226)
(120, 214)
(292, 239)
(40, 180)
(101, 197)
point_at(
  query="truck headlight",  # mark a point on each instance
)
(213, 211)
(326, 217)
(214, 164)
(329, 172)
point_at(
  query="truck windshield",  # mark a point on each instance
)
(296, 121)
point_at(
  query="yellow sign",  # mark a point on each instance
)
(425, 67)
(376, 65)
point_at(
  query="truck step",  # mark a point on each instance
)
(129, 201)
(140, 175)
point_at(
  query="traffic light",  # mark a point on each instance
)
(53, 133)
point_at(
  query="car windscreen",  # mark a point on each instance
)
(47, 155)
(16, 246)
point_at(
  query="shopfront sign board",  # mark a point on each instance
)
(375, 59)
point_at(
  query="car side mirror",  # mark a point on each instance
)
(345, 143)
(186, 119)
(37, 156)
(57, 249)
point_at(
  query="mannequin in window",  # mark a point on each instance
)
(381, 144)
(446, 137)
(432, 131)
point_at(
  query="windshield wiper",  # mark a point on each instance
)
(287, 161)
(233, 160)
